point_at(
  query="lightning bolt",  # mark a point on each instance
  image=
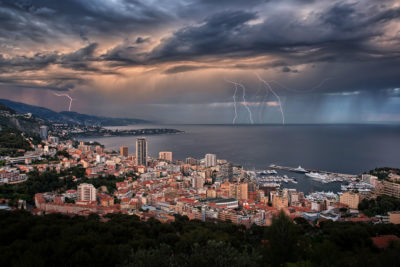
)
(234, 105)
(244, 99)
(70, 99)
(276, 95)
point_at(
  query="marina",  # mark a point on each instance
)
(303, 179)
(318, 175)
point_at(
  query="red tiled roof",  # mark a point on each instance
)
(384, 240)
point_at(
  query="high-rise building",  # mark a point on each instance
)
(191, 161)
(226, 171)
(123, 151)
(86, 192)
(141, 151)
(211, 160)
(165, 155)
(44, 132)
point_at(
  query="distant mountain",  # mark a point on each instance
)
(68, 116)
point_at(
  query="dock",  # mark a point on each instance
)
(285, 168)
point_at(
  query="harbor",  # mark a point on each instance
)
(318, 175)
(303, 179)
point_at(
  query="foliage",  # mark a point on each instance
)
(379, 206)
(63, 153)
(383, 173)
(10, 141)
(56, 240)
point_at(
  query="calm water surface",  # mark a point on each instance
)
(342, 148)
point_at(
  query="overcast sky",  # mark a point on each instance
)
(321, 61)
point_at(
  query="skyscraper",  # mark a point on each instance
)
(165, 155)
(211, 160)
(43, 132)
(141, 151)
(123, 151)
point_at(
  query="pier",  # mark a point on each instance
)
(343, 175)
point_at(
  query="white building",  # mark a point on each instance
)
(86, 192)
(198, 182)
(211, 160)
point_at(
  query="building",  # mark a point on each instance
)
(198, 182)
(350, 199)
(279, 200)
(211, 160)
(123, 151)
(86, 192)
(165, 155)
(391, 189)
(238, 191)
(394, 217)
(229, 203)
(370, 179)
(141, 151)
(54, 139)
(226, 171)
(44, 132)
(191, 161)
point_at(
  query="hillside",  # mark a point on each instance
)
(69, 116)
(9, 118)
(17, 131)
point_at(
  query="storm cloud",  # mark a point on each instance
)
(178, 52)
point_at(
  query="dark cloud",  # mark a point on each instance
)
(287, 69)
(297, 42)
(141, 40)
(183, 68)
(51, 82)
(78, 60)
(40, 20)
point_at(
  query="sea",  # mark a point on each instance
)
(351, 149)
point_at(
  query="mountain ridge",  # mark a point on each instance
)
(69, 117)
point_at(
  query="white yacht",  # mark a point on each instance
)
(317, 176)
(300, 170)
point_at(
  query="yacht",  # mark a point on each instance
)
(317, 176)
(300, 170)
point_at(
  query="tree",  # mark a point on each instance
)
(283, 236)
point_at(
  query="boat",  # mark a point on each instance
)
(300, 170)
(271, 185)
(271, 172)
(317, 176)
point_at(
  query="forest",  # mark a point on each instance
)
(123, 240)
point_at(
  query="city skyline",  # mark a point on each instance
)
(324, 61)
